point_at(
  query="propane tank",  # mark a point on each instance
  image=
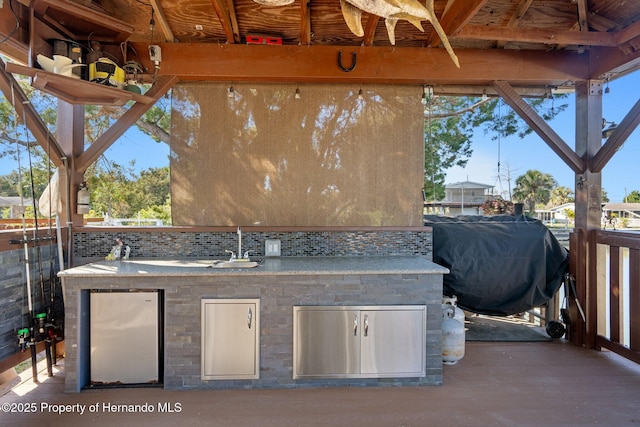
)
(452, 339)
(82, 199)
(452, 302)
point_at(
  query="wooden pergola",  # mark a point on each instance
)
(505, 48)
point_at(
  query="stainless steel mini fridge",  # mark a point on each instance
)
(125, 337)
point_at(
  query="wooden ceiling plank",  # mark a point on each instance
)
(617, 139)
(162, 21)
(220, 7)
(260, 63)
(305, 22)
(539, 125)
(537, 35)
(457, 15)
(132, 115)
(14, 93)
(514, 20)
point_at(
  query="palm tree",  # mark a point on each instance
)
(533, 187)
(560, 196)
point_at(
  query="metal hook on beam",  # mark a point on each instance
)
(354, 60)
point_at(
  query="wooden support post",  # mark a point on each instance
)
(70, 135)
(588, 191)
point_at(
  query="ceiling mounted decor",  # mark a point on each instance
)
(394, 10)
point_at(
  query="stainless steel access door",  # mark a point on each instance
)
(326, 342)
(393, 342)
(359, 341)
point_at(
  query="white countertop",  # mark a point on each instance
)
(272, 266)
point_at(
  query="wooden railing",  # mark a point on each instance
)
(617, 291)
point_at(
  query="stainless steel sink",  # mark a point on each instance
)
(234, 264)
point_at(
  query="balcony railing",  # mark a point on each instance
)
(617, 292)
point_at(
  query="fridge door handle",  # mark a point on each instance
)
(249, 317)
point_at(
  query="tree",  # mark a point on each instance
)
(561, 195)
(533, 187)
(633, 197)
(450, 122)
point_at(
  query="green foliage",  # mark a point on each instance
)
(633, 197)
(532, 188)
(450, 123)
(561, 195)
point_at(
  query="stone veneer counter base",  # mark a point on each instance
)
(279, 283)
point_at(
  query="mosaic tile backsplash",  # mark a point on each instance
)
(180, 244)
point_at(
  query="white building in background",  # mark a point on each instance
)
(614, 215)
(557, 214)
(461, 198)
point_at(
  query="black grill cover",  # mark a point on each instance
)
(500, 265)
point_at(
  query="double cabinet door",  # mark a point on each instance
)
(359, 341)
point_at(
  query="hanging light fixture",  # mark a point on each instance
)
(297, 95)
(231, 92)
(360, 96)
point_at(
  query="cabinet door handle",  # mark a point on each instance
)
(355, 325)
(366, 325)
(249, 317)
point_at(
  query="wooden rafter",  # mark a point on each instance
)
(370, 30)
(133, 114)
(628, 33)
(225, 16)
(515, 19)
(583, 15)
(617, 139)
(162, 21)
(305, 22)
(456, 17)
(538, 35)
(539, 125)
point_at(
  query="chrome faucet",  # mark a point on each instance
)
(235, 256)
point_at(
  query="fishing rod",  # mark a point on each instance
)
(43, 332)
(26, 336)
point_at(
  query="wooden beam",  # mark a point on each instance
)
(628, 33)
(162, 21)
(457, 15)
(305, 22)
(15, 95)
(517, 16)
(583, 18)
(537, 123)
(370, 29)
(375, 64)
(133, 114)
(608, 62)
(537, 35)
(617, 139)
(224, 15)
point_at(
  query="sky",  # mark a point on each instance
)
(517, 156)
